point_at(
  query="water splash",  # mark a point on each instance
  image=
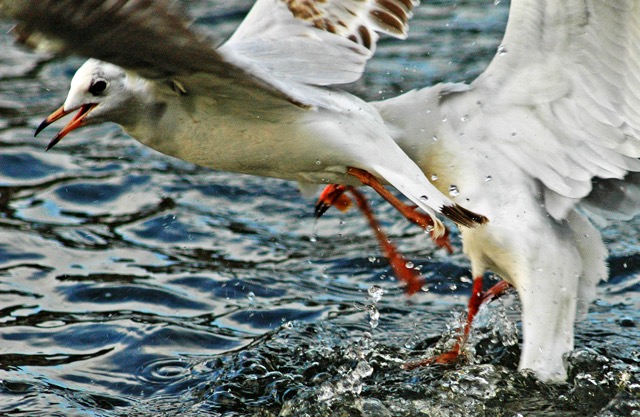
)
(375, 294)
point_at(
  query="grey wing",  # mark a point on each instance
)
(150, 37)
(564, 89)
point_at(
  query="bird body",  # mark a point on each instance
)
(554, 265)
(548, 133)
(287, 141)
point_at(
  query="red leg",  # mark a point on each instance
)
(475, 301)
(333, 195)
(423, 220)
(409, 211)
(398, 263)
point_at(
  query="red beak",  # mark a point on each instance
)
(76, 122)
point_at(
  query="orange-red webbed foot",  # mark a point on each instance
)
(496, 291)
(450, 357)
(332, 196)
(477, 299)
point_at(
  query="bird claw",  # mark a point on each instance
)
(451, 357)
(478, 298)
(332, 196)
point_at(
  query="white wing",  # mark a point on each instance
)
(565, 85)
(318, 42)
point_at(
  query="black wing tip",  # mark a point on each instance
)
(463, 217)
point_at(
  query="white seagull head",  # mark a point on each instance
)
(100, 92)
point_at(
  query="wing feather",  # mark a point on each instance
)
(149, 37)
(317, 42)
(575, 65)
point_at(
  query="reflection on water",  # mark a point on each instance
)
(135, 284)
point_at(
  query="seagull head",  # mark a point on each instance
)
(98, 93)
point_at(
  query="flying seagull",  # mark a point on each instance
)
(262, 103)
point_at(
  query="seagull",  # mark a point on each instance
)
(262, 103)
(546, 139)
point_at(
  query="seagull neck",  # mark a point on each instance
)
(139, 103)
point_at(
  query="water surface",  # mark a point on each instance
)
(135, 284)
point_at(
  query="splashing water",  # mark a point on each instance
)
(135, 284)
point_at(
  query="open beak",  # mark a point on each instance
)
(76, 122)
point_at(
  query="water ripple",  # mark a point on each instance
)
(136, 284)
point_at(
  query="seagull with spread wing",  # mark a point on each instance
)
(548, 133)
(262, 103)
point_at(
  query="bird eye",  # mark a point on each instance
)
(97, 87)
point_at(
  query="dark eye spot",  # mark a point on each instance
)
(97, 87)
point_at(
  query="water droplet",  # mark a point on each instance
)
(424, 198)
(488, 178)
(409, 265)
(372, 259)
(318, 162)
(251, 297)
(435, 138)
(375, 292)
(434, 177)
(464, 118)
(444, 118)
(502, 49)
(453, 190)
(374, 316)
(313, 238)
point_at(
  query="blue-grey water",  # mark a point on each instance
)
(134, 284)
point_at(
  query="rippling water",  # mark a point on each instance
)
(135, 284)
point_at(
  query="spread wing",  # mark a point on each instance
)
(318, 42)
(566, 84)
(282, 47)
(149, 37)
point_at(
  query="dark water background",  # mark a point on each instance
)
(133, 284)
